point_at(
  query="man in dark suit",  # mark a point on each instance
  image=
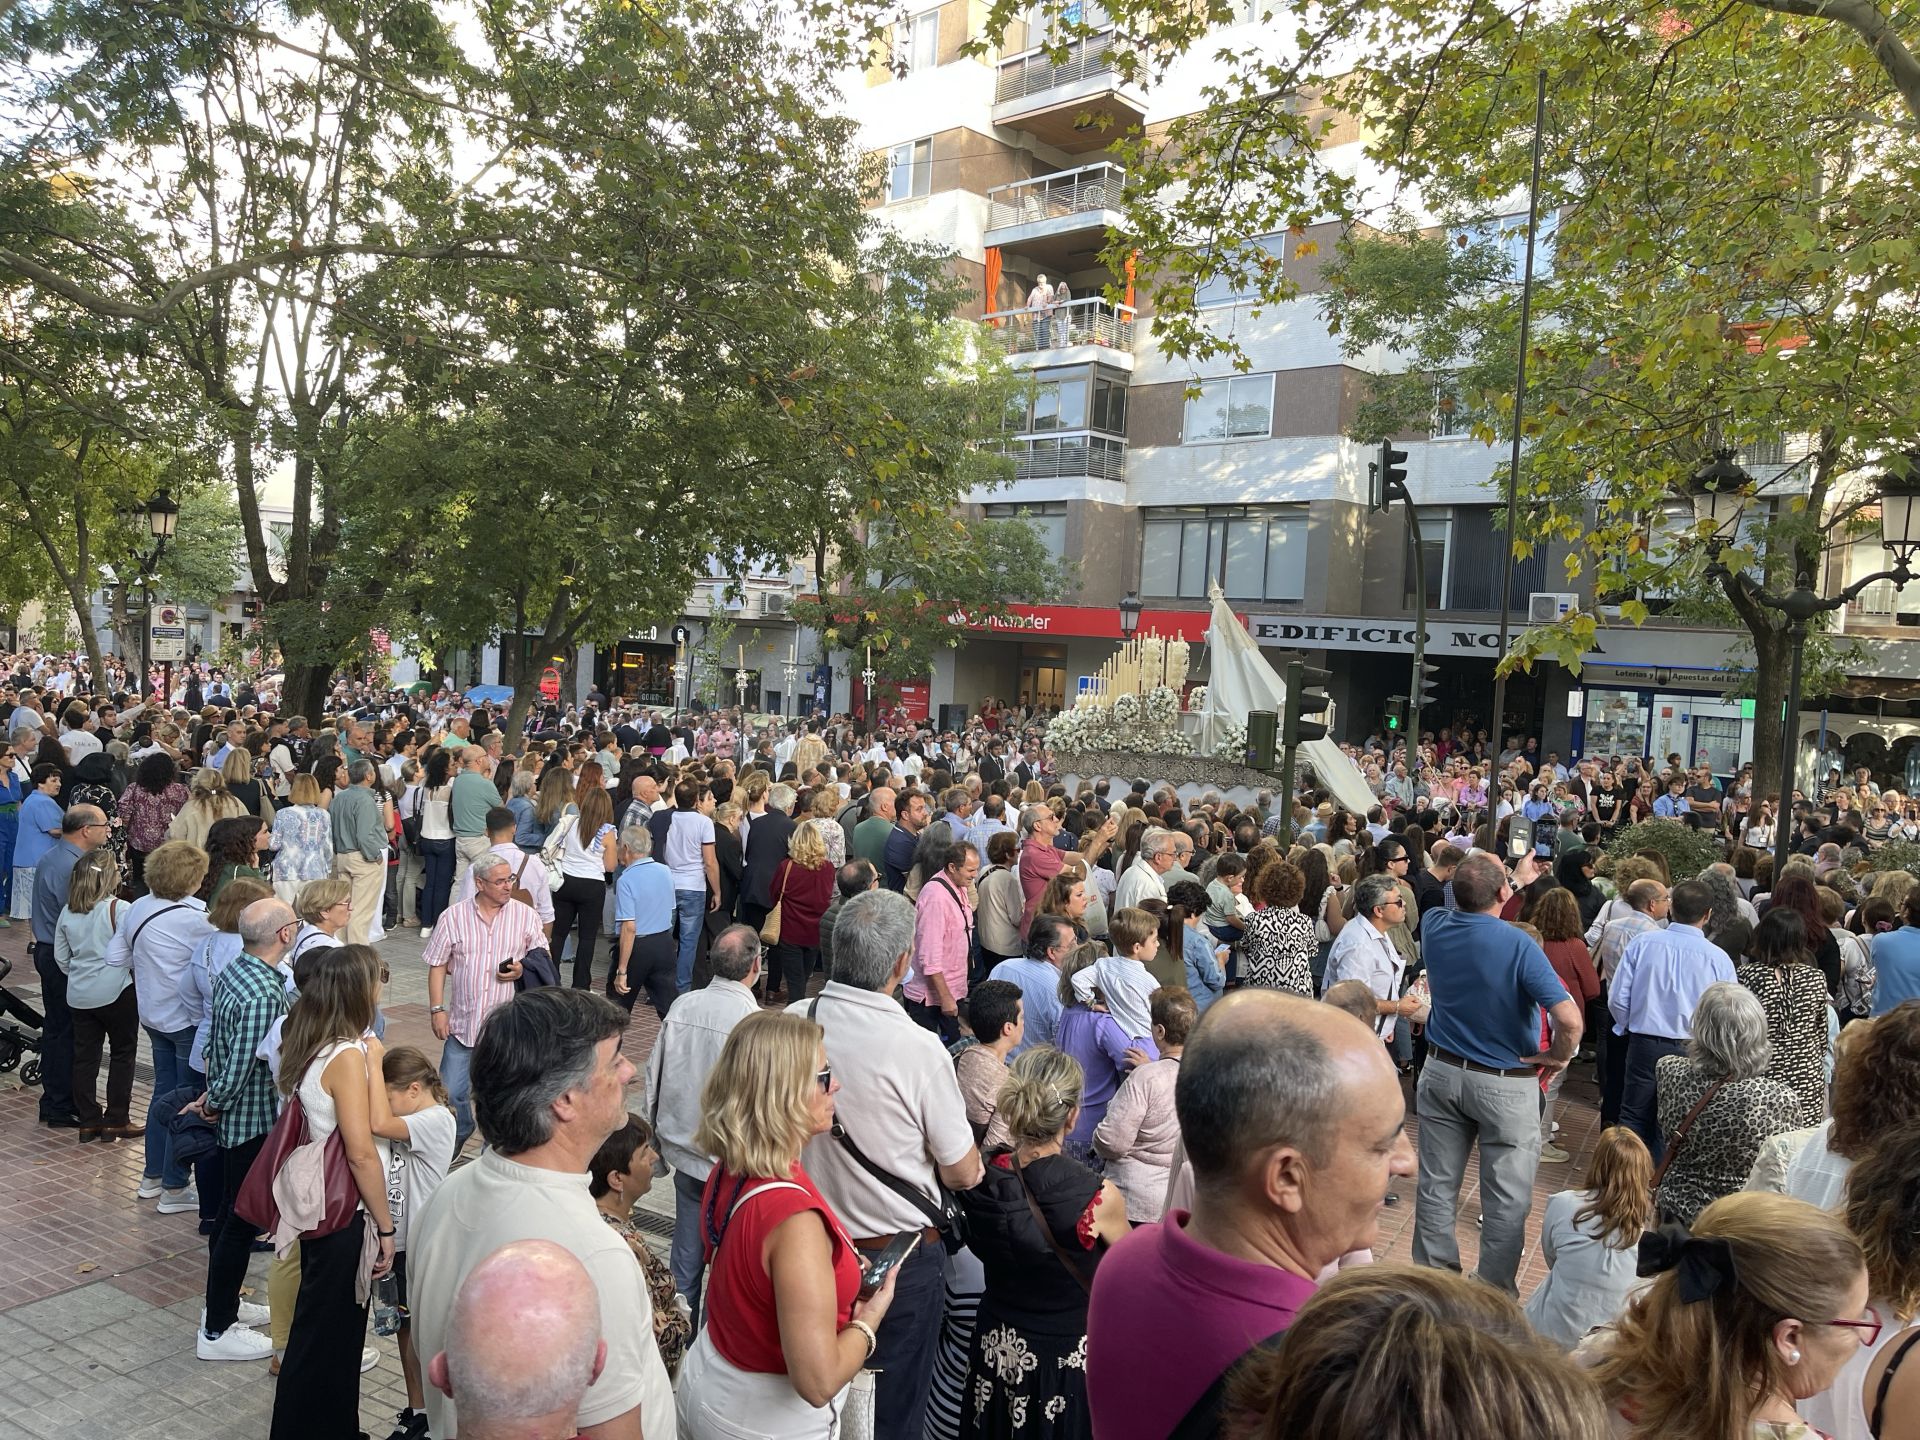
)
(992, 768)
(766, 840)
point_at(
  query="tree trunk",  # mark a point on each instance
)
(1772, 659)
(304, 690)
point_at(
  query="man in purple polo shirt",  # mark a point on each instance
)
(1293, 1121)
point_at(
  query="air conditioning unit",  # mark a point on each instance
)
(1546, 606)
(775, 602)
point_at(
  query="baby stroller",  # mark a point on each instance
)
(15, 1040)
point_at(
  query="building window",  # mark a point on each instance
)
(1048, 520)
(1252, 554)
(1237, 408)
(1436, 529)
(910, 170)
(1508, 235)
(916, 43)
(1453, 417)
(1227, 290)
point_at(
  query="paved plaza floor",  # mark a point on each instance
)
(99, 1295)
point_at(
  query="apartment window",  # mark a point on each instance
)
(1060, 401)
(916, 42)
(1436, 529)
(1476, 546)
(1239, 407)
(1242, 11)
(910, 170)
(1060, 404)
(1109, 405)
(1508, 234)
(1048, 520)
(1253, 554)
(1225, 290)
(1453, 417)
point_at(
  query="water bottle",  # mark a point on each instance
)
(387, 1310)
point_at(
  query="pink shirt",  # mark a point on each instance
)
(1167, 1318)
(942, 936)
(471, 948)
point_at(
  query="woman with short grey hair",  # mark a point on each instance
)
(1716, 1105)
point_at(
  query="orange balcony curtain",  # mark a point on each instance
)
(1132, 257)
(993, 279)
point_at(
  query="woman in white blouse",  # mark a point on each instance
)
(1589, 1239)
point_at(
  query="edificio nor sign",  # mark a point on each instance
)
(1627, 655)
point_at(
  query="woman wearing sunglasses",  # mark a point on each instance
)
(786, 1328)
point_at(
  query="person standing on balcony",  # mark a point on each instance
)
(1062, 315)
(1040, 303)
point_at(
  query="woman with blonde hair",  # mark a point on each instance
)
(1398, 1352)
(802, 887)
(207, 801)
(1037, 1280)
(302, 839)
(237, 771)
(1588, 1239)
(324, 907)
(786, 1332)
(1755, 1310)
(105, 1012)
(824, 806)
(328, 1059)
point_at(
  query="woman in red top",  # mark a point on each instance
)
(786, 1331)
(1557, 914)
(802, 888)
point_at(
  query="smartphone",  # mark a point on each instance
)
(876, 1265)
(505, 966)
(1519, 835)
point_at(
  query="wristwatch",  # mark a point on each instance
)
(437, 1010)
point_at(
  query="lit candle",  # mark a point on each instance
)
(869, 657)
(793, 657)
(743, 657)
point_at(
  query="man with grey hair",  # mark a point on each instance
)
(1294, 1124)
(1364, 950)
(507, 1389)
(549, 1086)
(249, 994)
(692, 1035)
(646, 951)
(900, 1108)
(1145, 879)
(359, 824)
(473, 959)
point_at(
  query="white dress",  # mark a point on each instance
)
(1589, 1281)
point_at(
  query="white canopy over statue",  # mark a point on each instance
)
(1239, 680)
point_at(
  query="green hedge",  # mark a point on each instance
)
(1688, 851)
(1896, 855)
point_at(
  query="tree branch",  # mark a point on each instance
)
(1865, 20)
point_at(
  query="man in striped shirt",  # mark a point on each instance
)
(475, 957)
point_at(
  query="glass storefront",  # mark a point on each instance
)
(641, 674)
(1616, 723)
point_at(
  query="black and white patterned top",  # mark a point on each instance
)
(1279, 945)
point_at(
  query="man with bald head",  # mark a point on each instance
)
(506, 1388)
(1294, 1124)
(82, 829)
(870, 835)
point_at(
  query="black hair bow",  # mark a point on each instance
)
(1705, 1265)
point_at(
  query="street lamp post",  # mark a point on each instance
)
(1721, 489)
(162, 515)
(1130, 608)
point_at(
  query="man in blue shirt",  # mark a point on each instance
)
(646, 943)
(1049, 942)
(82, 828)
(1655, 987)
(1481, 1083)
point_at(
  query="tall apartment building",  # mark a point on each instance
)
(1004, 160)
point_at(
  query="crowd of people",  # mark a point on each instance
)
(996, 1103)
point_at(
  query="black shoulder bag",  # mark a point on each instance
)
(945, 1215)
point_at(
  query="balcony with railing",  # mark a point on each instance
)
(1066, 454)
(1074, 103)
(1095, 326)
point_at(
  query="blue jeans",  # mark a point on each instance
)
(436, 885)
(688, 1257)
(456, 1073)
(689, 913)
(170, 1072)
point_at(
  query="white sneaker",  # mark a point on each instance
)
(426, 933)
(150, 1186)
(248, 1314)
(369, 1357)
(237, 1343)
(178, 1202)
(1553, 1155)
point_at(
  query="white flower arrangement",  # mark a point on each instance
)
(1230, 743)
(1197, 700)
(1126, 709)
(1162, 707)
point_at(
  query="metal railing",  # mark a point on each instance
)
(1093, 321)
(1034, 73)
(1056, 197)
(1072, 452)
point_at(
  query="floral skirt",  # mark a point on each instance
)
(1025, 1385)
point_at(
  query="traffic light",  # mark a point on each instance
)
(1263, 729)
(1306, 697)
(1396, 712)
(1387, 476)
(1429, 678)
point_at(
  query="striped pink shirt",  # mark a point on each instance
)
(472, 949)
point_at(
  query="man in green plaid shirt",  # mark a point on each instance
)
(249, 995)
